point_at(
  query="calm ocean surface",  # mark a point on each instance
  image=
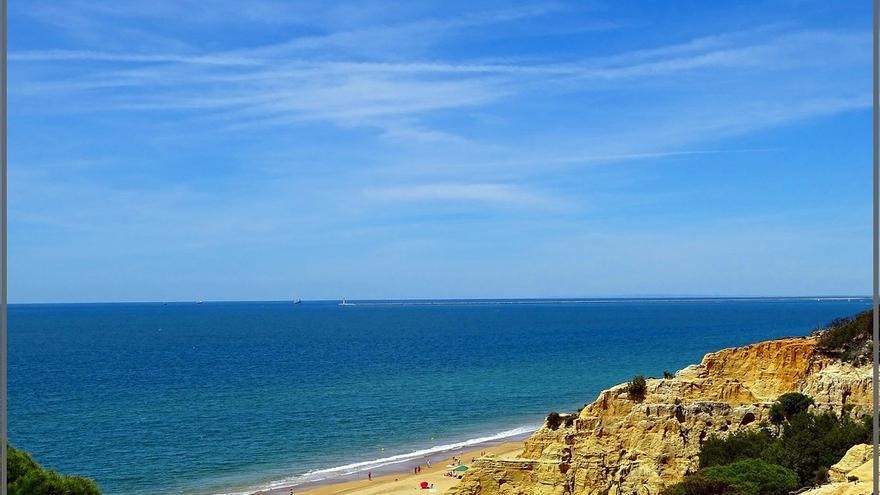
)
(218, 397)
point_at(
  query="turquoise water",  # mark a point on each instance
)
(219, 397)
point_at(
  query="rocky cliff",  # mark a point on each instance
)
(850, 476)
(617, 445)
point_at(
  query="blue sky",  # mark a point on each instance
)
(180, 150)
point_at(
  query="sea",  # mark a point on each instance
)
(234, 397)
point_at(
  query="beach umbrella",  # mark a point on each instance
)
(424, 485)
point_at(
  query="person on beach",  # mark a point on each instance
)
(370, 475)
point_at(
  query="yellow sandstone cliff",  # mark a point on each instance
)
(619, 446)
(850, 476)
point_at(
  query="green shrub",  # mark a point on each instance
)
(821, 476)
(777, 414)
(744, 444)
(754, 477)
(787, 405)
(18, 464)
(744, 477)
(846, 338)
(793, 403)
(637, 388)
(804, 444)
(668, 374)
(696, 484)
(26, 477)
(554, 420)
(811, 443)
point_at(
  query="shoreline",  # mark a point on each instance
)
(397, 466)
(405, 482)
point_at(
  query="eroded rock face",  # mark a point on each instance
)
(854, 458)
(850, 476)
(618, 446)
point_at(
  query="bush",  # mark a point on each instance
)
(18, 464)
(744, 444)
(821, 476)
(554, 420)
(787, 405)
(696, 484)
(754, 477)
(667, 374)
(847, 338)
(777, 414)
(793, 403)
(26, 477)
(637, 388)
(804, 444)
(745, 477)
(811, 443)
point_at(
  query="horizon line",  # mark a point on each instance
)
(381, 301)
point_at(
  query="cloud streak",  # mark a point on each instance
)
(311, 127)
(264, 87)
(507, 194)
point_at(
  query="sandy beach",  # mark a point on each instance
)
(408, 483)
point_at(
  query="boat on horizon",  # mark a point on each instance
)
(297, 301)
(345, 303)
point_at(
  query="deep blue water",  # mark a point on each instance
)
(186, 398)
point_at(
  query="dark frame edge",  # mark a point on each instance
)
(876, 257)
(4, 433)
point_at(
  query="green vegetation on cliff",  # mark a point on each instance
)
(788, 405)
(744, 444)
(26, 477)
(848, 339)
(637, 388)
(745, 477)
(775, 460)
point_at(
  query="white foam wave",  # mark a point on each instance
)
(356, 467)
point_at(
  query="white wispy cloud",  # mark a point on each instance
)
(349, 77)
(393, 38)
(484, 193)
(140, 58)
(265, 87)
(303, 125)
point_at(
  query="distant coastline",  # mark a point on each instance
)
(461, 301)
(471, 302)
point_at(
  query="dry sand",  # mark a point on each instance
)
(403, 483)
